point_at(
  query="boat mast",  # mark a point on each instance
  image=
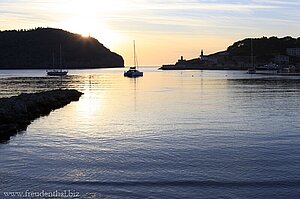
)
(252, 57)
(135, 61)
(60, 57)
(53, 60)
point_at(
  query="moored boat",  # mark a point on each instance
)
(57, 72)
(133, 71)
(251, 71)
(270, 66)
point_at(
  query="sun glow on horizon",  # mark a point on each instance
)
(88, 19)
(164, 29)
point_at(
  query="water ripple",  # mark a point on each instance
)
(186, 183)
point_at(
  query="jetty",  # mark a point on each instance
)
(17, 112)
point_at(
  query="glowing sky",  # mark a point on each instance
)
(163, 29)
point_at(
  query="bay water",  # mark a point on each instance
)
(169, 134)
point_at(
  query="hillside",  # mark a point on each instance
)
(238, 55)
(34, 49)
(264, 49)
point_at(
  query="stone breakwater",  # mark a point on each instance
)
(17, 112)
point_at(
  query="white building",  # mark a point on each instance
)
(294, 52)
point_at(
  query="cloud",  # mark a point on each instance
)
(205, 17)
(200, 5)
(278, 2)
(165, 16)
(160, 24)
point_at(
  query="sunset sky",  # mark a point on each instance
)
(163, 29)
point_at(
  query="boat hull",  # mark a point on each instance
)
(133, 74)
(57, 73)
(251, 71)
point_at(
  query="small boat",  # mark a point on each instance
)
(251, 71)
(270, 66)
(133, 71)
(57, 72)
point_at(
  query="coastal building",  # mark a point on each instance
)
(294, 52)
(202, 56)
(282, 59)
(181, 61)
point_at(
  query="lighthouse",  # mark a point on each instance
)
(202, 57)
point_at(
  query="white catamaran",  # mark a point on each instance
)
(133, 71)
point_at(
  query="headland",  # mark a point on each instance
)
(46, 48)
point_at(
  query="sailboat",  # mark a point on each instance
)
(57, 72)
(252, 70)
(133, 71)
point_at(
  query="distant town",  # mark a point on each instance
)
(263, 53)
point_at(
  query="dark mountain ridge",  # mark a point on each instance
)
(34, 49)
(264, 49)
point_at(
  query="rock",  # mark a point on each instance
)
(7, 130)
(17, 112)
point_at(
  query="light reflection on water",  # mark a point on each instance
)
(169, 134)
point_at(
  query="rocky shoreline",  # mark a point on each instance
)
(17, 112)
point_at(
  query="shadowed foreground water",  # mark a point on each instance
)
(190, 134)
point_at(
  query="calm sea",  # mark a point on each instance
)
(169, 134)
